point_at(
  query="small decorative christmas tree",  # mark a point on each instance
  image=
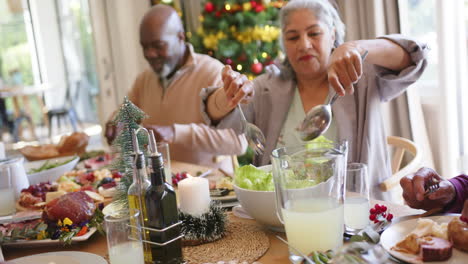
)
(241, 33)
(128, 117)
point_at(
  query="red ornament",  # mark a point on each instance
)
(259, 8)
(229, 61)
(243, 57)
(257, 68)
(253, 4)
(209, 7)
(218, 14)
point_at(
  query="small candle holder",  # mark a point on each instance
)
(205, 228)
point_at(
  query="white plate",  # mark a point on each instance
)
(60, 257)
(231, 196)
(49, 242)
(397, 231)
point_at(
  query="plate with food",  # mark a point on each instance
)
(70, 257)
(434, 239)
(71, 217)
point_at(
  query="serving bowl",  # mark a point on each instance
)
(52, 174)
(261, 205)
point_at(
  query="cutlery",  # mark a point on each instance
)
(319, 118)
(253, 133)
(432, 186)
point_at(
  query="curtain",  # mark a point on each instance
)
(403, 115)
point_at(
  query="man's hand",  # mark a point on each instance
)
(162, 133)
(415, 185)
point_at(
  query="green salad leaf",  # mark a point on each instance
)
(252, 178)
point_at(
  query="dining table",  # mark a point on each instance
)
(276, 253)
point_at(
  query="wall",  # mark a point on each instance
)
(124, 20)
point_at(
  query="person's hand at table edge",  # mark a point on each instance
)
(415, 190)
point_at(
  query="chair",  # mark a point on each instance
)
(401, 146)
(67, 110)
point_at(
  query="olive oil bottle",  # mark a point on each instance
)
(161, 204)
(136, 193)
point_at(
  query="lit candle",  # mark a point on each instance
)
(194, 195)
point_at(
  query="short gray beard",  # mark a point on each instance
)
(166, 70)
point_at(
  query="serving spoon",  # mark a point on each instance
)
(319, 118)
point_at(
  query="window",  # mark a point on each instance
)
(443, 25)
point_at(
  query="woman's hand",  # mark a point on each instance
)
(345, 67)
(237, 87)
(415, 185)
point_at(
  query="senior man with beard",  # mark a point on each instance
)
(169, 93)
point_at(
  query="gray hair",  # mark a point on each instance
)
(324, 11)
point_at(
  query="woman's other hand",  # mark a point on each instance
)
(345, 67)
(237, 87)
(415, 186)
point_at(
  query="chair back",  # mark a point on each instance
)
(401, 146)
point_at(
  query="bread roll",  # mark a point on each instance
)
(458, 234)
(75, 143)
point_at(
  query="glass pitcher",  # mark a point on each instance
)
(309, 185)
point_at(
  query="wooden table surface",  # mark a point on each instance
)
(277, 253)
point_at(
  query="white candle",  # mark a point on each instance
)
(194, 195)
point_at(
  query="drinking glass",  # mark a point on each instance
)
(356, 206)
(163, 148)
(7, 192)
(124, 238)
(309, 186)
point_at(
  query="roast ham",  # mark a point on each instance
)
(435, 249)
(77, 206)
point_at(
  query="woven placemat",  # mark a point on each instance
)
(244, 242)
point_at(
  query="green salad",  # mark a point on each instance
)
(253, 178)
(49, 165)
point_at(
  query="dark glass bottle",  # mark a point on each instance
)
(161, 206)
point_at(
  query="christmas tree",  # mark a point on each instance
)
(128, 117)
(240, 33)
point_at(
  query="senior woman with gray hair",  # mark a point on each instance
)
(316, 61)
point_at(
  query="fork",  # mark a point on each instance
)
(253, 133)
(433, 186)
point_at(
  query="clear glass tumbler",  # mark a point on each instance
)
(309, 185)
(7, 192)
(356, 206)
(124, 238)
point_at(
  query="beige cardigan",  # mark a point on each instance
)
(358, 116)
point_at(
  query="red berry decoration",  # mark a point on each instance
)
(209, 7)
(257, 68)
(379, 214)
